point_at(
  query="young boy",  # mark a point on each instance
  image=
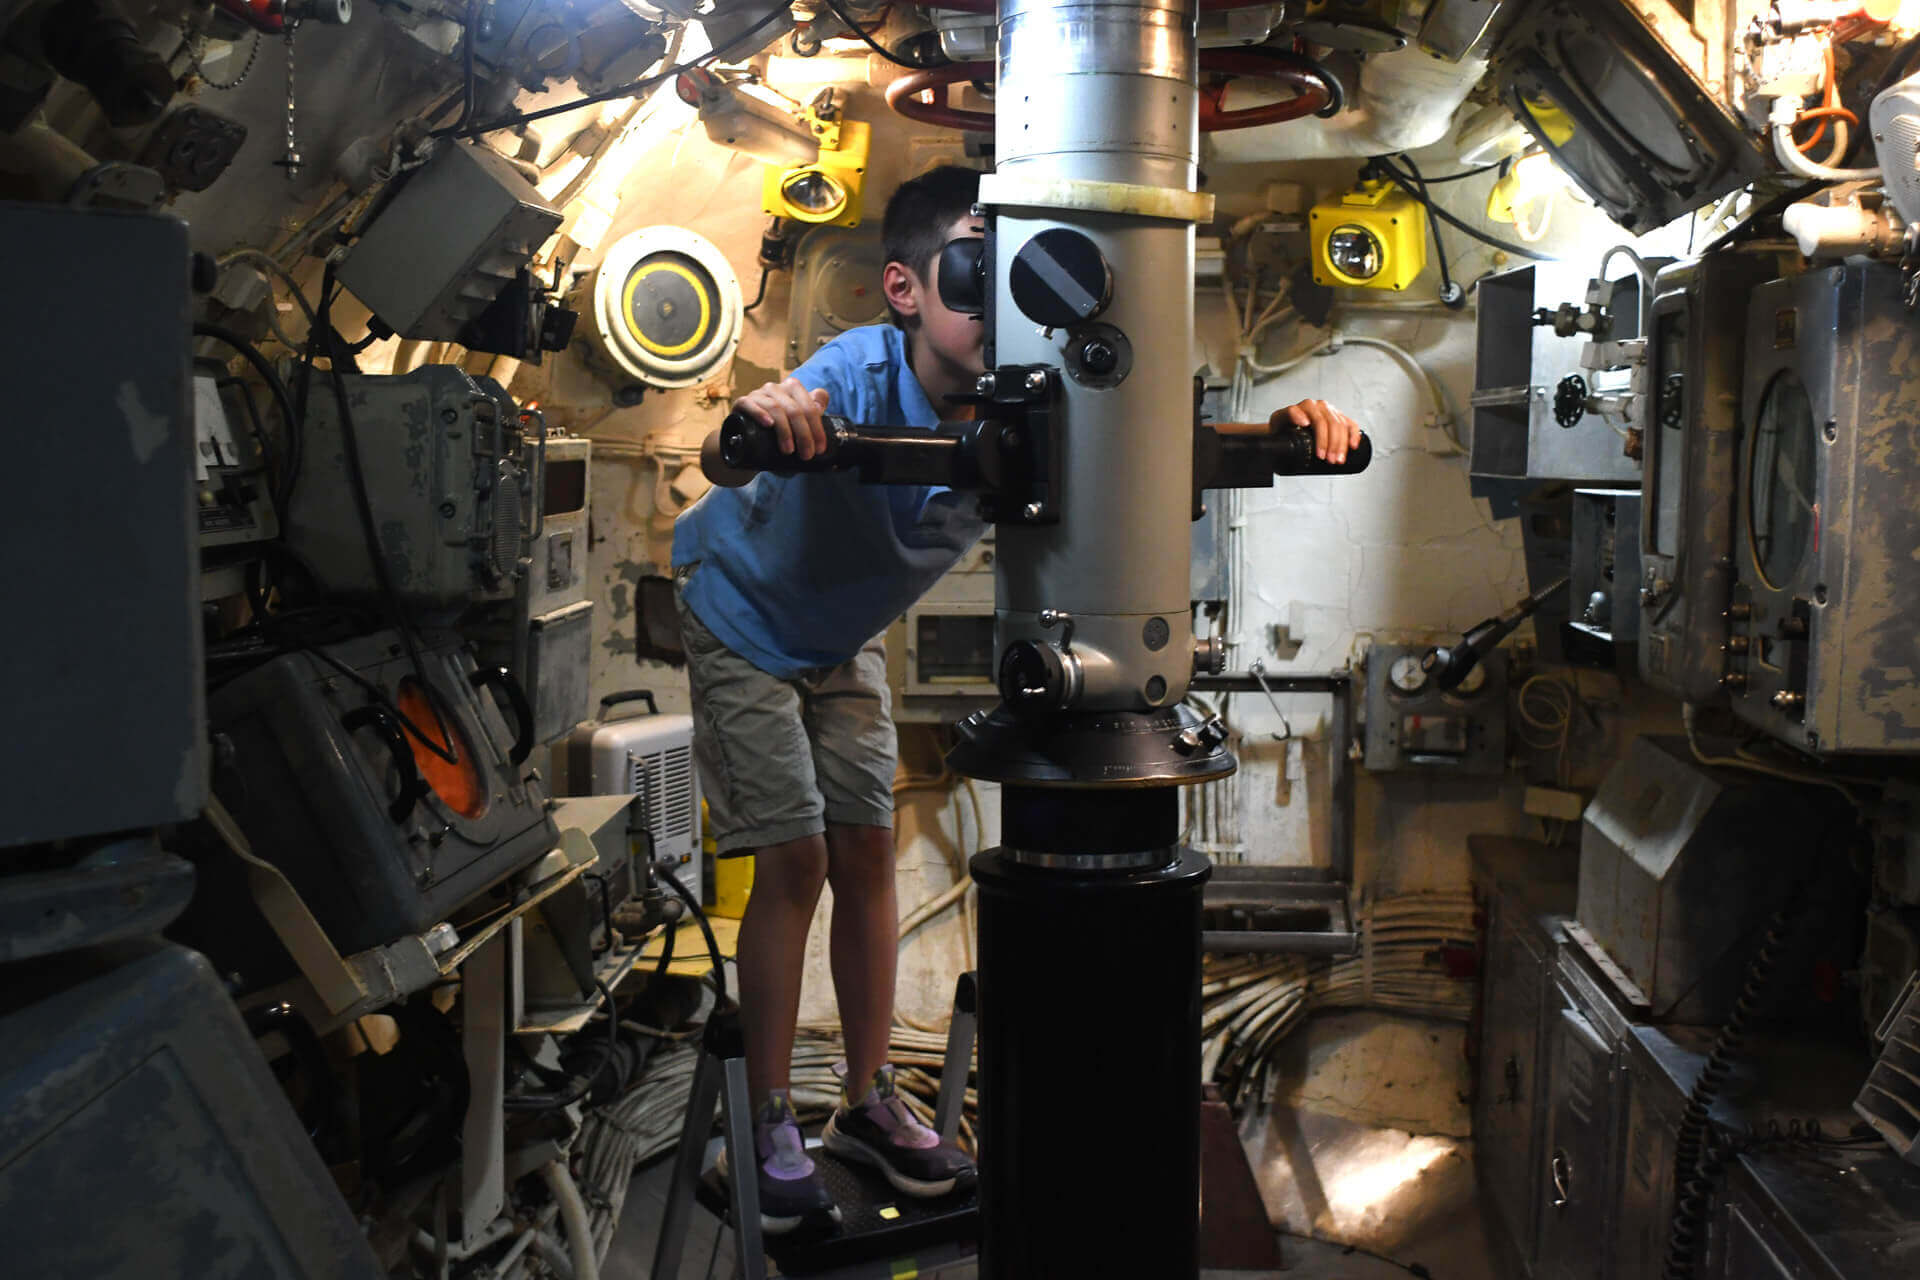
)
(784, 587)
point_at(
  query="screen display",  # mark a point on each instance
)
(1782, 517)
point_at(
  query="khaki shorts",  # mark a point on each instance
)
(779, 759)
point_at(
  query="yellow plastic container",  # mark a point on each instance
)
(732, 877)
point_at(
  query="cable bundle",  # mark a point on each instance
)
(1249, 1004)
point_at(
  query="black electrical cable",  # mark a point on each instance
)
(1411, 1268)
(467, 78)
(1452, 296)
(282, 402)
(1698, 1157)
(623, 91)
(1405, 183)
(706, 930)
(666, 949)
(613, 1016)
(582, 1086)
(1452, 177)
(1898, 67)
(760, 294)
(898, 61)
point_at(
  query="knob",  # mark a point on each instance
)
(1200, 737)
(1059, 279)
(1672, 404)
(1037, 676)
(1570, 400)
(1209, 656)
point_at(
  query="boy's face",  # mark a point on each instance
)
(953, 339)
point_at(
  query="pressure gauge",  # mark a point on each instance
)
(1406, 674)
(1474, 681)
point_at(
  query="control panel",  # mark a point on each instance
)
(1412, 724)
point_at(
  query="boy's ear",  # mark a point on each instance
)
(902, 288)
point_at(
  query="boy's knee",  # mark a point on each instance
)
(794, 871)
(861, 857)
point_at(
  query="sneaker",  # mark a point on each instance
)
(791, 1189)
(879, 1130)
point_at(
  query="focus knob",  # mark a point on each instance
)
(1036, 676)
(1059, 279)
(1570, 400)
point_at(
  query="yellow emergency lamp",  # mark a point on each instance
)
(828, 191)
(1372, 237)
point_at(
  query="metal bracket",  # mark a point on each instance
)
(1020, 463)
(1277, 911)
(1628, 990)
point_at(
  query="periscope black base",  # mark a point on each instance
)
(1089, 1067)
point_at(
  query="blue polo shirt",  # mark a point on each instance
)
(800, 572)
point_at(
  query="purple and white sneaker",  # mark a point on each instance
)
(791, 1189)
(879, 1130)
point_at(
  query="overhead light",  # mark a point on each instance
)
(827, 191)
(1372, 237)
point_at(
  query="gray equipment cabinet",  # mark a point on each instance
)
(105, 642)
(1518, 368)
(1579, 1207)
(1817, 1215)
(1826, 603)
(1527, 890)
(1692, 436)
(142, 1134)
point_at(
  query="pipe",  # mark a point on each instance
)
(511, 1258)
(1405, 100)
(1780, 122)
(573, 1213)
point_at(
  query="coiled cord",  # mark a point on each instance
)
(1699, 1154)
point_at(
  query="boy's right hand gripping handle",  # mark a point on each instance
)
(1293, 455)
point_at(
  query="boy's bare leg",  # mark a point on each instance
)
(773, 949)
(865, 944)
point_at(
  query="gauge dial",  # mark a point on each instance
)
(1405, 674)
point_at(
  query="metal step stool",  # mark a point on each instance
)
(876, 1222)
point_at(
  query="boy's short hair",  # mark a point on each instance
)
(919, 214)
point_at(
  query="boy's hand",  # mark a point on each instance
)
(1333, 432)
(793, 412)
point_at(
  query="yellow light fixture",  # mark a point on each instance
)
(1533, 178)
(1372, 237)
(827, 192)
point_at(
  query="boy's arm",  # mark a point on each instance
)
(795, 414)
